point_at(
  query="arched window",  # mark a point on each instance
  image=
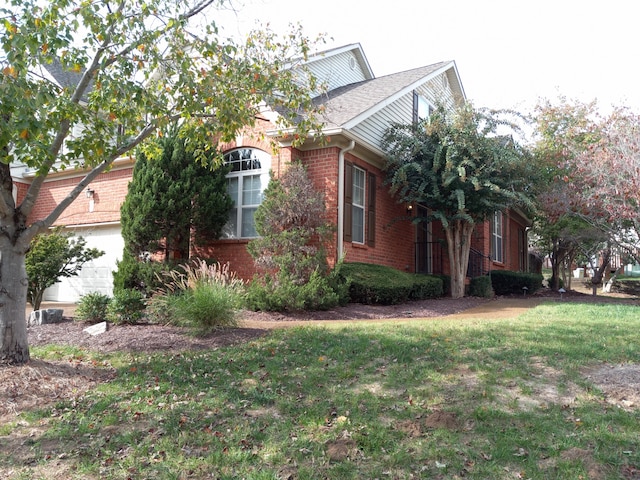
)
(246, 184)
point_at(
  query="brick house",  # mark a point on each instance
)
(371, 226)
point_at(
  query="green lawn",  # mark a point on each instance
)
(476, 399)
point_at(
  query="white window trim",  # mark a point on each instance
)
(497, 232)
(358, 206)
(422, 107)
(242, 175)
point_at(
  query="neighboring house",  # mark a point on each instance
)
(371, 226)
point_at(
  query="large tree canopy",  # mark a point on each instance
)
(592, 168)
(124, 69)
(463, 168)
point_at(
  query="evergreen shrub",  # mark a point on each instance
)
(135, 274)
(505, 282)
(126, 306)
(283, 294)
(378, 284)
(426, 286)
(481, 287)
(92, 307)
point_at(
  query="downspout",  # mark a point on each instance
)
(351, 146)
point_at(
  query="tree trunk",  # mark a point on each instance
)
(13, 302)
(458, 245)
(37, 299)
(598, 273)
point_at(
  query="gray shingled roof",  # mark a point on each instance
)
(66, 78)
(346, 103)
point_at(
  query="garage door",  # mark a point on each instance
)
(96, 275)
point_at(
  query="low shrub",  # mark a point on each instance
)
(319, 293)
(92, 307)
(126, 306)
(481, 287)
(505, 282)
(377, 284)
(446, 282)
(135, 274)
(426, 286)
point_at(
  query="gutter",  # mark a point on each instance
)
(351, 146)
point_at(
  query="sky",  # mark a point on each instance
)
(509, 53)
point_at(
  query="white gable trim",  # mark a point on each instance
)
(357, 50)
(389, 100)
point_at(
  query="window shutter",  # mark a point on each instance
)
(415, 107)
(348, 200)
(371, 211)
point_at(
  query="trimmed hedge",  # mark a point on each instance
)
(481, 287)
(377, 284)
(505, 282)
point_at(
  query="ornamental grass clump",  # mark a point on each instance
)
(198, 295)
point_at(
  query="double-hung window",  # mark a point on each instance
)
(357, 212)
(497, 237)
(422, 109)
(360, 205)
(246, 183)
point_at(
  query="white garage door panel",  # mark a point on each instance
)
(95, 276)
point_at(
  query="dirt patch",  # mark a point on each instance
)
(446, 420)
(341, 449)
(42, 383)
(619, 383)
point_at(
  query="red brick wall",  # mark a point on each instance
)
(394, 238)
(109, 189)
(394, 242)
(21, 191)
(232, 251)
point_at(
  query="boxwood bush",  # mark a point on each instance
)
(505, 282)
(377, 284)
(481, 287)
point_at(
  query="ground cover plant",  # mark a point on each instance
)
(475, 398)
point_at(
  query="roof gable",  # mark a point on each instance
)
(338, 67)
(347, 106)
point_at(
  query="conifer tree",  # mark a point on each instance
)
(172, 200)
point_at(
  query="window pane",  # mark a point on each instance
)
(231, 228)
(252, 190)
(358, 187)
(357, 220)
(248, 225)
(496, 238)
(232, 189)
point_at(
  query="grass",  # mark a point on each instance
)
(436, 399)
